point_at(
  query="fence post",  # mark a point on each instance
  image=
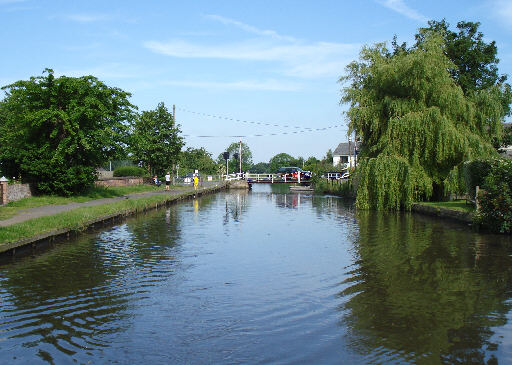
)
(3, 190)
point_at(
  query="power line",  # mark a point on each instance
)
(265, 135)
(302, 129)
(244, 121)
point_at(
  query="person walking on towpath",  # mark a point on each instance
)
(167, 181)
(196, 181)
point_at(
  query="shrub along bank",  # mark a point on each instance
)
(495, 198)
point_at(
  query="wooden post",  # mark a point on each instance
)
(477, 191)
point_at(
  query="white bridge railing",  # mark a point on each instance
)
(263, 178)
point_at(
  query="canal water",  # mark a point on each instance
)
(263, 277)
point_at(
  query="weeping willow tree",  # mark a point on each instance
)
(414, 124)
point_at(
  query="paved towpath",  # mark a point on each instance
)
(48, 210)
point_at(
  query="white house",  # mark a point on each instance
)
(345, 154)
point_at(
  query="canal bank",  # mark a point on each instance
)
(46, 225)
(455, 215)
(451, 214)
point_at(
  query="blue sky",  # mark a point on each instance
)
(273, 62)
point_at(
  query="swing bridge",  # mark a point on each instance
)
(266, 178)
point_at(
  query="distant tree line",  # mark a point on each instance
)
(56, 131)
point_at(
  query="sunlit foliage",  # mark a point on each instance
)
(414, 123)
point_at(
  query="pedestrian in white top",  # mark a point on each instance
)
(167, 180)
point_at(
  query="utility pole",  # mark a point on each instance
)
(174, 113)
(240, 156)
(349, 155)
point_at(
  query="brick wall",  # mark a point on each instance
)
(120, 181)
(14, 192)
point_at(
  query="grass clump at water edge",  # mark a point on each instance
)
(77, 219)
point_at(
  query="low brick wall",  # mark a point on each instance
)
(120, 181)
(14, 192)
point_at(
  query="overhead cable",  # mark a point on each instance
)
(245, 121)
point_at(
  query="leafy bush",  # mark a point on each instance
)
(495, 210)
(55, 131)
(130, 171)
(475, 173)
(334, 187)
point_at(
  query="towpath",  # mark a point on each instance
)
(48, 210)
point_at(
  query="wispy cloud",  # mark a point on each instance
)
(86, 18)
(292, 57)
(249, 28)
(303, 60)
(267, 85)
(402, 8)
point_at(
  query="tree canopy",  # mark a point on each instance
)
(280, 160)
(198, 159)
(475, 61)
(234, 163)
(414, 124)
(54, 132)
(156, 140)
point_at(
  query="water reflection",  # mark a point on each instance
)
(75, 299)
(425, 292)
(266, 276)
(64, 305)
(237, 203)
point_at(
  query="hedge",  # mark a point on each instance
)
(130, 171)
(495, 200)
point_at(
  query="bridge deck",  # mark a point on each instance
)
(272, 178)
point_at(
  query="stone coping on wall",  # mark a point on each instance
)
(452, 214)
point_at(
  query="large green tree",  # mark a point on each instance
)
(54, 132)
(280, 160)
(198, 159)
(156, 140)
(475, 61)
(414, 123)
(234, 163)
(260, 168)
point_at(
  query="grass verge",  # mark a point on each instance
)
(12, 208)
(78, 219)
(459, 205)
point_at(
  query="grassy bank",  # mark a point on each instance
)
(459, 205)
(80, 218)
(12, 208)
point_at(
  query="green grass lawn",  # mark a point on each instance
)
(12, 208)
(455, 205)
(78, 218)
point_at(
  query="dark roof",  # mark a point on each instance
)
(507, 125)
(342, 149)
